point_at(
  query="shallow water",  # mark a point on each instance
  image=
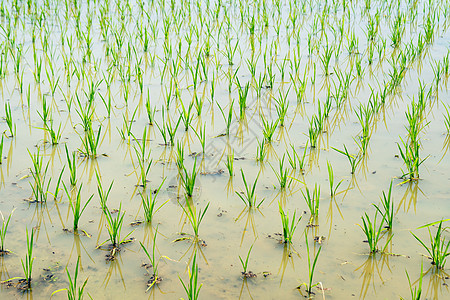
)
(344, 267)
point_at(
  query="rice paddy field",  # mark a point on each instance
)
(218, 149)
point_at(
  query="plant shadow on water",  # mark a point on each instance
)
(248, 214)
(369, 269)
(410, 196)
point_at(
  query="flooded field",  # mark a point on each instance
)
(224, 149)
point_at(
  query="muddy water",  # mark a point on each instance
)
(344, 268)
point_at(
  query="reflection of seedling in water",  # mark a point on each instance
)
(3, 230)
(439, 247)
(388, 207)
(149, 203)
(288, 228)
(245, 273)
(249, 197)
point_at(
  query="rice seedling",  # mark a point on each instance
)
(188, 179)
(1, 151)
(171, 131)
(269, 129)
(72, 166)
(27, 264)
(410, 156)
(333, 189)
(447, 117)
(314, 131)
(9, 120)
(229, 164)
(312, 200)
(102, 193)
(73, 291)
(288, 227)
(227, 118)
(373, 232)
(150, 112)
(388, 207)
(186, 115)
(154, 279)
(416, 293)
(114, 226)
(195, 219)
(144, 163)
(75, 205)
(41, 185)
(192, 288)
(293, 158)
(90, 142)
(246, 273)
(352, 159)
(243, 93)
(311, 268)
(439, 247)
(149, 203)
(3, 229)
(249, 195)
(282, 175)
(261, 151)
(201, 135)
(326, 58)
